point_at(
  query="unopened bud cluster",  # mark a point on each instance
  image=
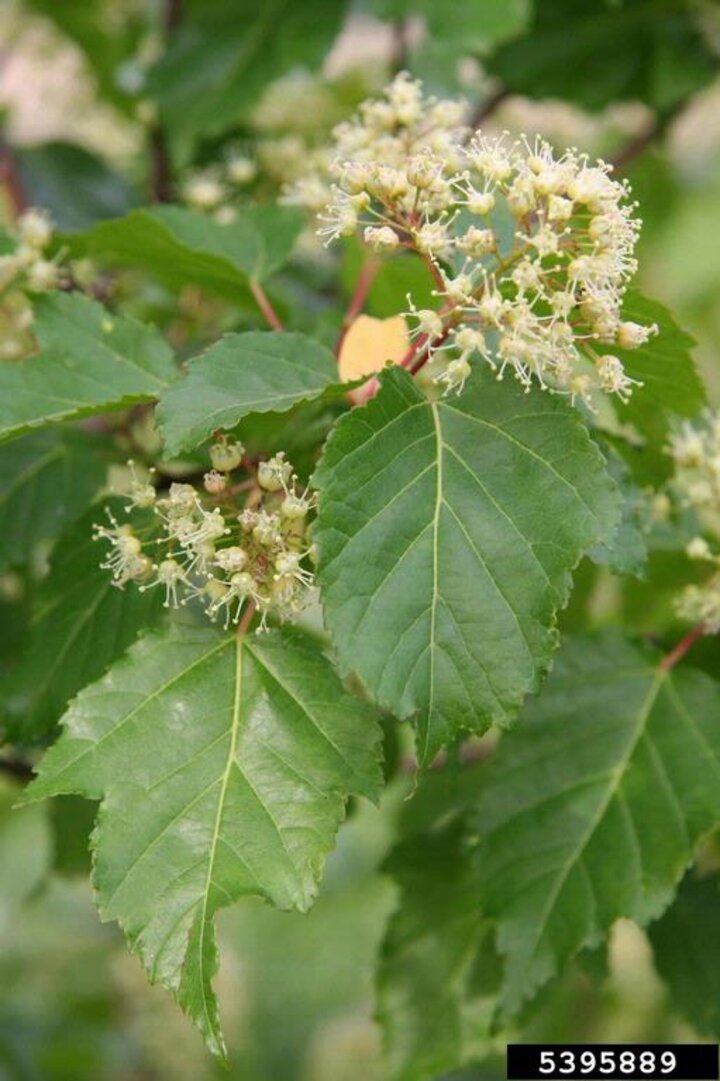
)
(202, 545)
(695, 450)
(531, 253)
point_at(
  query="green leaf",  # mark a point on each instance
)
(222, 56)
(446, 535)
(80, 624)
(256, 372)
(671, 384)
(626, 551)
(224, 764)
(686, 947)
(180, 247)
(428, 956)
(91, 362)
(46, 480)
(77, 187)
(593, 804)
(593, 53)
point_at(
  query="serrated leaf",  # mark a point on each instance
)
(256, 372)
(180, 247)
(46, 480)
(446, 533)
(594, 804)
(664, 365)
(428, 954)
(686, 949)
(80, 624)
(224, 764)
(91, 362)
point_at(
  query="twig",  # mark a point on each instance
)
(654, 130)
(263, 303)
(161, 184)
(671, 659)
(485, 109)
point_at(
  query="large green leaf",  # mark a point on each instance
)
(256, 372)
(596, 51)
(222, 56)
(671, 385)
(80, 623)
(446, 533)
(224, 764)
(594, 803)
(46, 480)
(92, 361)
(180, 247)
(686, 947)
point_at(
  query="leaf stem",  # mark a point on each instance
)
(363, 284)
(263, 303)
(246, 620)
(684, 645)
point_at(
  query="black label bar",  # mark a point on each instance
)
(612, 1062)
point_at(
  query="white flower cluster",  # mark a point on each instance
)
(29, 269)
(213, 189)
(695, 450)
(208, 548)
(531, 253)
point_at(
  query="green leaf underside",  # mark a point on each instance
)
(446, 535)
(594, 804)
(224, 764)
(686, 949)
(181, 247)
(81, 623)
(671, 385)
(46, 479)
(255, 372)
(91, 362)
(428, 953)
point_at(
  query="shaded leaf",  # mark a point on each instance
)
(46, 480)
(224, 764)
(91, 362)
(256, 372)
(77, 187)
(686, 947)
(594, 804)
(446, 534)
(81, 623)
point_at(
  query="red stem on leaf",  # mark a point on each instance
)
(684, 645)
(357, 301)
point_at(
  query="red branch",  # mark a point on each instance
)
(671, 659)
(263, 303)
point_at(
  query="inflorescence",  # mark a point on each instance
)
(530, 253)
(208, 548)
(695, 450)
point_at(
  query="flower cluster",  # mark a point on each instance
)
(213, 189)
(531, 253)
(695, 450)
(29, 269)
(205, 546)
